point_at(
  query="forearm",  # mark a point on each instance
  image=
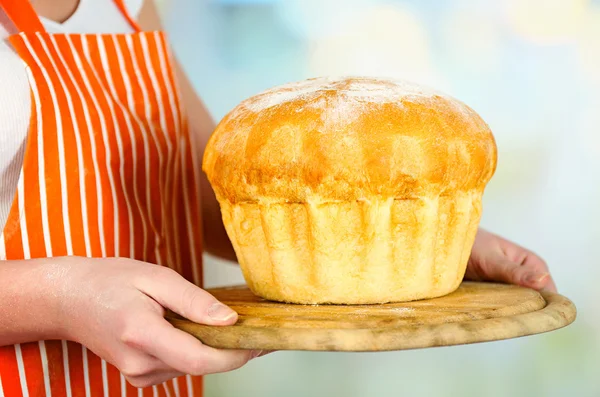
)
(216, 240)
(30, 291)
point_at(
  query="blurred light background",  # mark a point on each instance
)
(531, 68)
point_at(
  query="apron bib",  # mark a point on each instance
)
(108, 172)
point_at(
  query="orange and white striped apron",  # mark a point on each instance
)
(108, 172)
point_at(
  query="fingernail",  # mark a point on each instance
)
(534, 278)
(220, 312)
(255, 354)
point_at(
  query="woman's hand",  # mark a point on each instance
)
(115, 307)
(496, 259)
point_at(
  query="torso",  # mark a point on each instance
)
(58, 16)
(108, 170)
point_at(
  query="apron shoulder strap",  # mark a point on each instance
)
(127, 15)
(19, 16)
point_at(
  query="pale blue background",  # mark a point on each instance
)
(531, 68)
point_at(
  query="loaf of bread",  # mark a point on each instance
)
(351, 190)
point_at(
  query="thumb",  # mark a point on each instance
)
(175, 293)
(501, 269)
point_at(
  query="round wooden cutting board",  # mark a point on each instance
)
(476, 312)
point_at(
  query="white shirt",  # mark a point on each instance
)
(91, 16)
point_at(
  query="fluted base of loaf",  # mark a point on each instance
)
(361, 252)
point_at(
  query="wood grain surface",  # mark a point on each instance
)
(476, 312)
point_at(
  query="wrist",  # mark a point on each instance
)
(35, 291)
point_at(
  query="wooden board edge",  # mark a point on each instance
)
(558, 313)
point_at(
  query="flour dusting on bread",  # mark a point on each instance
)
(353, 90)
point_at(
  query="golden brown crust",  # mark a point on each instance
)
(351, 191)
(325, 140)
